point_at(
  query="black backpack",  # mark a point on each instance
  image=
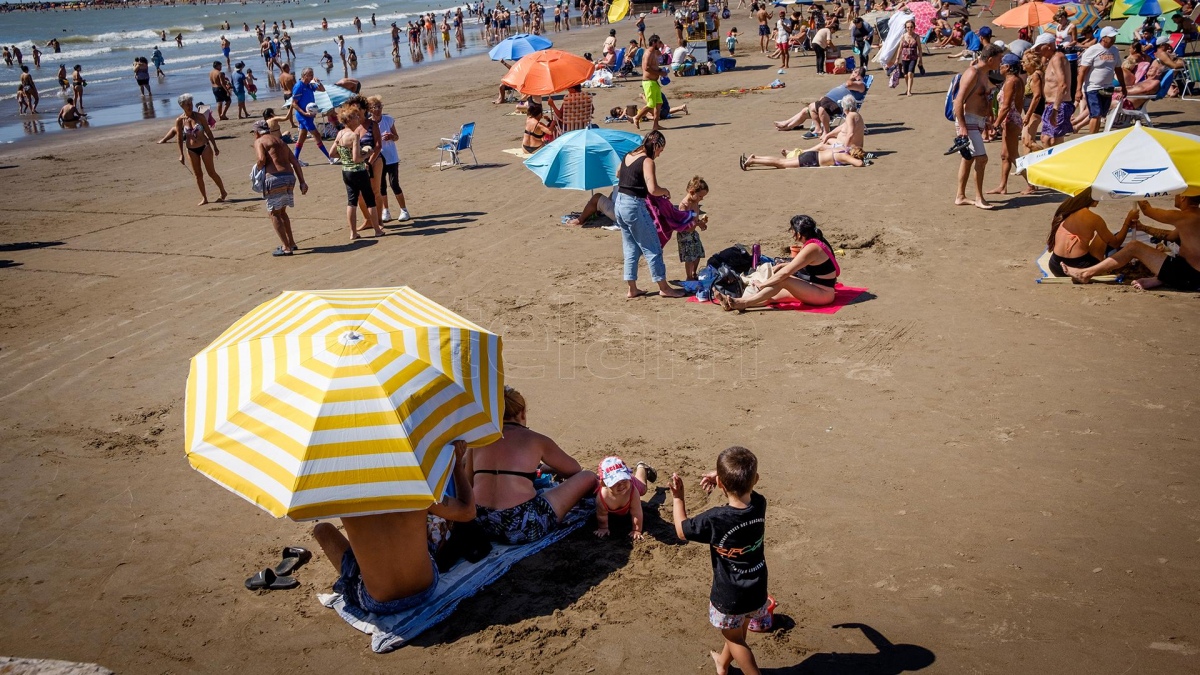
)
(734, 257)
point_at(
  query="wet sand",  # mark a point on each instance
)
(1002, 473)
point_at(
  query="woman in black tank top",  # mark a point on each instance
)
(636, 181)
(810, 277)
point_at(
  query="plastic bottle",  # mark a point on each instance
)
(755, 252)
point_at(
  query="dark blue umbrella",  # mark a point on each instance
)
(519, 45)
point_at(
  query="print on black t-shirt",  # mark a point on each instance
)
(735, 539)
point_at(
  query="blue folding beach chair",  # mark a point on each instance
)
(454, 146)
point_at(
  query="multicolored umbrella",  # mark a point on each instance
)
(322, 404)
(548, 71)
(1133, 163)
(518, 46)
(1131, 29)
(1081, 15)
(583, 160)
(1029, 14)
(1150, 7)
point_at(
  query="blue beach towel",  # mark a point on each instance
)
(462, 581)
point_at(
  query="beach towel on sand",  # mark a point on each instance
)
(459, 583)
(843, 295)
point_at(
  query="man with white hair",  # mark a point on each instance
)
(302, 98)
(852, 129)
(1056, 87)
(822, 110)
(1097, 66)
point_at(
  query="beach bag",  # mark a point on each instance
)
(893, 76)
(733, 257)
(725, 13)
(728, 282)
(951, 94)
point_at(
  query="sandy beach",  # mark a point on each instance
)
(1001, 472)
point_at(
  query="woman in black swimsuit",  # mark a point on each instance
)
(507, 504)
(810, 277)
(535, 131)
(191, 128)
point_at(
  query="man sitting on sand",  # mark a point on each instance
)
(821, 111)
(1180, 272)
(384, 560)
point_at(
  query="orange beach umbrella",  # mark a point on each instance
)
(1028, 14)
(545, 72)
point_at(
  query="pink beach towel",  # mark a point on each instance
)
(843, 295)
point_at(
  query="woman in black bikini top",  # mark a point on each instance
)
(508, 506)
(535, 131)
(810, 277)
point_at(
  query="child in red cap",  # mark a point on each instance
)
(619, 492)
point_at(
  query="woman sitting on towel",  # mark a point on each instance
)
(508, 506)
(810, 277)
(383, 567)
(1081, 238)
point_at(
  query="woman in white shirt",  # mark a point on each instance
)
(391, 160)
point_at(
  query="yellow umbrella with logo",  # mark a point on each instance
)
(322, 404)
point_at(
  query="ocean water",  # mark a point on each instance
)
(105, 42)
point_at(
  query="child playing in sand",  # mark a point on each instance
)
(735, 535)
(691, 250)
(731, 40)
(619, 492)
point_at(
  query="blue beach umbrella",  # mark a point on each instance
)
(332, 97)
(519, 45)
(583, 160)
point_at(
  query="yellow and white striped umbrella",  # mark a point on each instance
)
(321, 404)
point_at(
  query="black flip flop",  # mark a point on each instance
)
(267, 580)
(651, 473)
(293, 558)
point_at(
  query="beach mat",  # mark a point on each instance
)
(462, 581)
(843, 295)
(519, 152)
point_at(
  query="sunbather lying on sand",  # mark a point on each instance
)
(822, 154)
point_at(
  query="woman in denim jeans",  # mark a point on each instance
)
(636, 180)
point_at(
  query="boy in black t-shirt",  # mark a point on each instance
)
(735, 536)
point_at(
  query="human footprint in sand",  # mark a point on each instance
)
(619, 493)
(192, 132)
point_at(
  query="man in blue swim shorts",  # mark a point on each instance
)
(385, 561)
(302, 96)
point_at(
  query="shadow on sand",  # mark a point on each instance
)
(889, 659)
